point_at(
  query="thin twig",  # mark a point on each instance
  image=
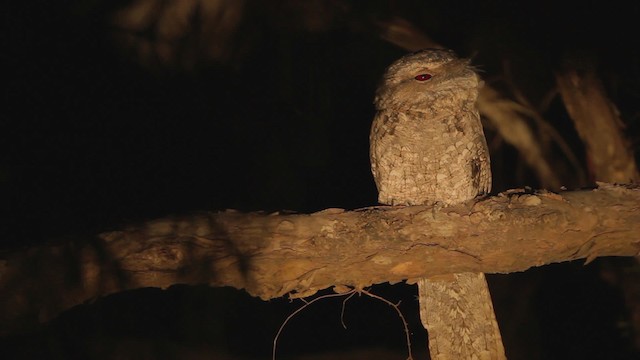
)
(275, 340)
(348, 295)
(344, 304)
(404, 321)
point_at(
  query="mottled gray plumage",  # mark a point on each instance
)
(427, 144)
(428, 148)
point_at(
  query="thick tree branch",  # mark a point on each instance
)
(598, 123)
(275, 255)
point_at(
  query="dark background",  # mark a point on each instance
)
(94, 138)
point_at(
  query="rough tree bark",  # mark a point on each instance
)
(272, 255)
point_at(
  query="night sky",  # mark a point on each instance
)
(94, 137)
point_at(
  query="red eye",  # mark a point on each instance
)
(423, 77)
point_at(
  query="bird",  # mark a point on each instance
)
(427, 147)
